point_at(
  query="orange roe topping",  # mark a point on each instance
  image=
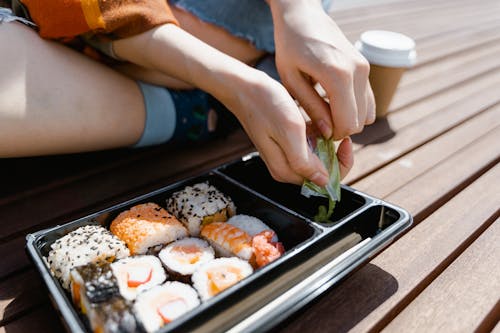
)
(265, 250)
(136, 224)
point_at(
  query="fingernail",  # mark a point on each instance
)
(325, 130)
(319, 178)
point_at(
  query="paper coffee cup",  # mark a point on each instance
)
(389, 54)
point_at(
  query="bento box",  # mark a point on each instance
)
(313, 256)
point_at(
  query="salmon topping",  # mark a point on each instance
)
(188, 254)
(221, 278)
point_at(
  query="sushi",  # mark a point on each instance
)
(265, 244)
(250, 224)
(228, 240)
(146, 226)
(219, 274)
(92, 283)
(87, 244)
(265, 249)
(162, 304)
(114, 316)
(137, 274)
(199, 205)
(183, 257)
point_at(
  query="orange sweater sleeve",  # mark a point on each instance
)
(115, 18)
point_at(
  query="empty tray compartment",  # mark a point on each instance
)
(253, 174)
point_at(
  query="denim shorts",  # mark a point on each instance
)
(6, 15)
(248, 19)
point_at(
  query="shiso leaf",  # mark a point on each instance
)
(325, 150)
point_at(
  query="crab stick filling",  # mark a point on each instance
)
(172, 309)
(137, 275)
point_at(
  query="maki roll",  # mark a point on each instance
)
(183, 257)
(92, 283)
(199, 205)
(219, 274)
(114, 316)
(146, 226)
(228, 240)
(95, 292)
(137, 274)
(87, 244)
(162, 304)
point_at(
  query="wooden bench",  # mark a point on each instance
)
(435, 155)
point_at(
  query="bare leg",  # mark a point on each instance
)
(54, 100)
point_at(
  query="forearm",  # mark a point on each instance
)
(178, 54)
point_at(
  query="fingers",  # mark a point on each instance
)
(343, 105)
(361, 72)
(316, 107)
(290, 168)
(345, 157)
(370, 105)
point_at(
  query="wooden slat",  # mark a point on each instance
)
(459, 41)
(352, 11)
(396, 121)
(377, 292)
(411, 23)
(496, 329)
(43, 319)
(382, 182)
(81, 196)
(444, 180)
(460, 298)
(20, 294)
(446, 66)
(446, 78)
(376, 155)
(16, 258)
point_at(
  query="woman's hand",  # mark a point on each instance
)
(274, 123)
(310, 49)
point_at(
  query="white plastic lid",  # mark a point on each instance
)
(387, 48)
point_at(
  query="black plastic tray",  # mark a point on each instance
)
(279, 205)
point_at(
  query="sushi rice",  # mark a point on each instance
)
(219, 274)
(184, 256)
(250, 224)
(137, 274)
(87, 244)
(162, 304)
(200, 204)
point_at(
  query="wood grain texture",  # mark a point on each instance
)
(425, 193)
(446, 78)
(43, 319)
(382, 182)
(384, 129)
(378, 154)
(461, 297)
(20, 294)
(368, 301)
(16, 259)
(82, 195)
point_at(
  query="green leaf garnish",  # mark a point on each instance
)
(325, 149)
